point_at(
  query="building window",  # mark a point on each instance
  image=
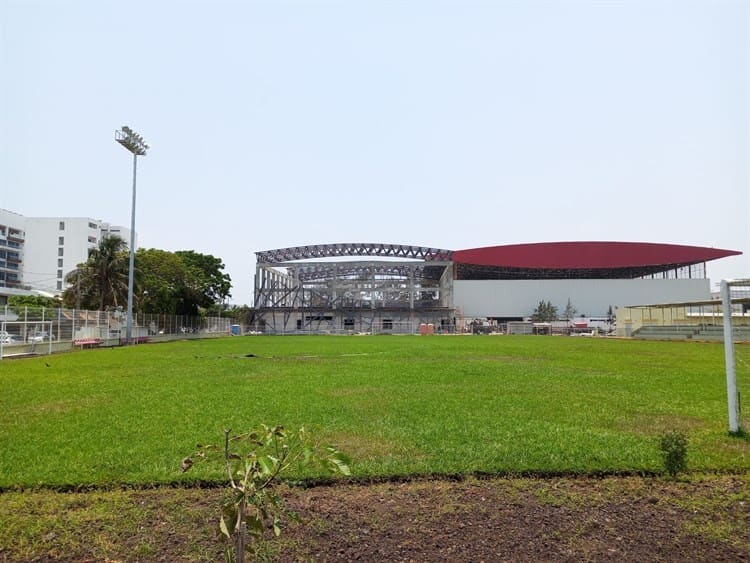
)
(59, 274)
(59, 262)
(59, 251)
(93, 226)
(92, 240)
(60, 240)
(62, 225)
(59, 285)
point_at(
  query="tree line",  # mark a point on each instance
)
(173, 283)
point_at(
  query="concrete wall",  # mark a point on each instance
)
(519, 298)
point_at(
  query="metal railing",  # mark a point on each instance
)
(22, 329)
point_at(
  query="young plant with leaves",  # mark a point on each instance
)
(674, 450)
(254, 463)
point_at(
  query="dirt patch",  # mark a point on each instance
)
(523, 520)
(705, 518)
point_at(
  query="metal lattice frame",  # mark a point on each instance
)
(412, 284)
(327, 270)
(365, 249)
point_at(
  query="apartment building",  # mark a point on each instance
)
(11, 248)
(38, 252)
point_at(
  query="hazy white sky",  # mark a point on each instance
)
(453, 124)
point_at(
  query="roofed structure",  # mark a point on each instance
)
(584, 260)
(356, 286)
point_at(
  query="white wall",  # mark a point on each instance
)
(41, 266)
(122, 232)
(519, 298)
(41, 263)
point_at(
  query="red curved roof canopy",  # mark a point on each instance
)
(588, 255)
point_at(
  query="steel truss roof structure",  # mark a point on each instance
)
(311, 288)
(328, 270)
(352, 249)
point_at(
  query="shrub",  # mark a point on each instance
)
(673, 446)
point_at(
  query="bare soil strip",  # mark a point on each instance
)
(701, 518)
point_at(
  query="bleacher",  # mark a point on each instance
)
(666, 332)
(716, 333)
(693, 332)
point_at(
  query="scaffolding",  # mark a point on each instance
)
(319, 289)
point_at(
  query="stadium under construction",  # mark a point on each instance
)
(394, 288)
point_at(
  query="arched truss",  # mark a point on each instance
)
(329, 270)
(347, 249)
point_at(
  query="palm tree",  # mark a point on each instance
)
(102, 281)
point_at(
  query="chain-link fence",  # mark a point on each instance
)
(25, 330)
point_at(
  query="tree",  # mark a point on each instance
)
(544, 312)
(570, 311)
(180, 283)
(241, 314)
(37, 301)
(210, 284)
(163, 277)
(101, 281)
(177, 283)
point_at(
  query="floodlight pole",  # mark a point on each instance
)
(133, 142)
(131, 265)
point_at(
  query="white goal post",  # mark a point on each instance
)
(733, 397)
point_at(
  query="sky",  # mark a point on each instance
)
(449, 124)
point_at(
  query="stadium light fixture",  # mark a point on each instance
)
(133, 142)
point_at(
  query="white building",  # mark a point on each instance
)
(38, 252)
(12, 238)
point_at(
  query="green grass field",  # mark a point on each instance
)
(397, 405)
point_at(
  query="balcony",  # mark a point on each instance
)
(15, 235)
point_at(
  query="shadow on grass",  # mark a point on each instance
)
(741, 434)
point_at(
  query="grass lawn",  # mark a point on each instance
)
(397, 405)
